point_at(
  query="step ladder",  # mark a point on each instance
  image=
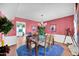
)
(69, 33)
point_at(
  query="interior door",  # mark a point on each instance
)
(20, 28)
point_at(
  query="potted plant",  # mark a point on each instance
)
(5, 27)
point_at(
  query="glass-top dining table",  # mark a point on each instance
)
(35, 41)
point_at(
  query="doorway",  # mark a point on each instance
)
(20, 28)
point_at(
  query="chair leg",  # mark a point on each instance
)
(29, 48)
(53, 41)
(44, 51)
(36, 49)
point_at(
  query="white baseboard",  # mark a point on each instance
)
(60, 38)
(10, 40)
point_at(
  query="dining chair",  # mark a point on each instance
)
(49, 41)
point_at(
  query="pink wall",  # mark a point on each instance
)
(61, 25)
(29, 24)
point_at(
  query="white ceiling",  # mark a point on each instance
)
(34, 11)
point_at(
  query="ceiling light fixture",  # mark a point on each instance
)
(42, 23)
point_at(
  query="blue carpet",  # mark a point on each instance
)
(54, 50)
